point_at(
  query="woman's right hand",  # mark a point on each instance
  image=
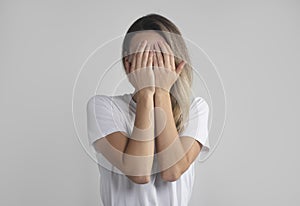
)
(140, 73)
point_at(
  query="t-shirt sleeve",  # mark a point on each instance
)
(197, 125)
(103, 118)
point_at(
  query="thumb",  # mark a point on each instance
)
(180, 67)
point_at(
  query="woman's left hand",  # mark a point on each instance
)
(164, 69)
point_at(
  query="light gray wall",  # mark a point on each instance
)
(254, 44)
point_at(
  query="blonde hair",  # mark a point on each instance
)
(180, 92)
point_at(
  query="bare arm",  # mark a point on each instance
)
(177, 153)
(140, 164)
(134, 155)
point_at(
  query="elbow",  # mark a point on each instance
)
(170, 176)
(140, 179)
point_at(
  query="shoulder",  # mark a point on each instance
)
(199, 104)
(107, 100)
(97, 99)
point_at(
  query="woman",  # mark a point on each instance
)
(149, 139)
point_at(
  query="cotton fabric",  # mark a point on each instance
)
(108, 114)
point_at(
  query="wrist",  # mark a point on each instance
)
(161, 96)
(161, 92)
(144, 96)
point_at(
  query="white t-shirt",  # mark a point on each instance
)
(108, 114)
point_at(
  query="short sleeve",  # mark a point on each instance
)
(103, 118)
(197, 124)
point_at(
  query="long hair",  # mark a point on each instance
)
(181, 90)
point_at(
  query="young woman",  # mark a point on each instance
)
(147, 141)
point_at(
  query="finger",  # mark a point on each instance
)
(159, 56)
(145, 56)
(150, 59)
(180, 67)
(127, 67)
(155, 61)
(140, 53)
(171, 56)
(165, 54)
(133, 62)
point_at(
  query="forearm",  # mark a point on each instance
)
(172, 159)
(139, 152)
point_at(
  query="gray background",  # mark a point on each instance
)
(254, 44)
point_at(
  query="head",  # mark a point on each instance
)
(153, 27)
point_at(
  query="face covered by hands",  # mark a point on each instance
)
(164, 68)
(139, 69)
(152, 67)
